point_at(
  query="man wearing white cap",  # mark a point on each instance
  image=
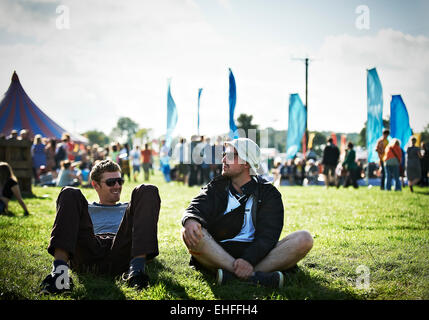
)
(233, 226)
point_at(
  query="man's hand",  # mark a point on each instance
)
(192, 233)
(242, 268)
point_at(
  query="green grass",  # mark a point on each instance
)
(386, 232)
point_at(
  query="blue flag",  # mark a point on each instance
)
(171, 116)
(232, 101)
(198, 119)
(296, 125)
(374, 126)
(399, 121)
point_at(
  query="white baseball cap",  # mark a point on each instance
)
(249, 151)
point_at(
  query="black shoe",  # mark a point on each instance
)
(194, 264)
(53, 285)
(223, 276)
(293, 269)
(268, 279)
(137, 280)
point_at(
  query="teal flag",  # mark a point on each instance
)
(374, 125)
(296, 125)
(399, 121)
(232, 101)
(171, 116)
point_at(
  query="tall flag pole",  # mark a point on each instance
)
(399, 121)
(296, 125)
(374, 126)
(171, 116)
(198, 119)
(232, 101)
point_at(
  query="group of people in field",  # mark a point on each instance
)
(394, 165)
(232, 227)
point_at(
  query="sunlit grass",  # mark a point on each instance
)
(385, 232)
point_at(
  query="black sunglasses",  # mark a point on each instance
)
(230, 154)
(112, 181)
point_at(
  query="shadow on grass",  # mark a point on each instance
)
(102, 287)
(424, 192)
(97, 287)
(156, 269)
(299, 285)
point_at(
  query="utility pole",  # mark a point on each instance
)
(305, 137)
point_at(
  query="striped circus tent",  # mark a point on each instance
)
(18, 111)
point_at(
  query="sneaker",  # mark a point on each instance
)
(268, 279)
(137, 280)
(50, 286)
(223, 276)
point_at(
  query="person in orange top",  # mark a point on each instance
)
(392, 160)
(381, 147)
(146, 155)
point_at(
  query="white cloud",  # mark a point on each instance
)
(115, 60)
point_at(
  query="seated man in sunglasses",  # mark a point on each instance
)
(233, 226)
(105, 237)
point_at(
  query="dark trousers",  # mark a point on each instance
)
(106, 253)
(351, 179)
(383, 175)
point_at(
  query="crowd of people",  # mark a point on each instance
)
(67, 163)
(303, 172)
(393, 167)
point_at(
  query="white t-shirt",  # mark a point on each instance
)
(247, 233)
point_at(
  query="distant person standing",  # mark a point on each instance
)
(146, 159)
(61, 153)
(180, 153)
(392, 159)
(38, 155)
(380, 148)
(69, 146)
(414, 170)
(50, 151)
(164, 161)
(124, 161)
(350, 165)
(424, 162)
(135, 159)
(331, 154)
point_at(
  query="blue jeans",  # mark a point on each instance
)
(392, 172)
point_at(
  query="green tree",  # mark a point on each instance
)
(125, 127)
(362, 133)
(244, 122)
(143, 135)
(425, 134)
(96, 137)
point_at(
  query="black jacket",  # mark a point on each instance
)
(267, 213)
(331, 155)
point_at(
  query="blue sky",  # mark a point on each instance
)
(115, 59)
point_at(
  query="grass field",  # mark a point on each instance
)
(362, 237)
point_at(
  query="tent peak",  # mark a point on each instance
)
(15, 76)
